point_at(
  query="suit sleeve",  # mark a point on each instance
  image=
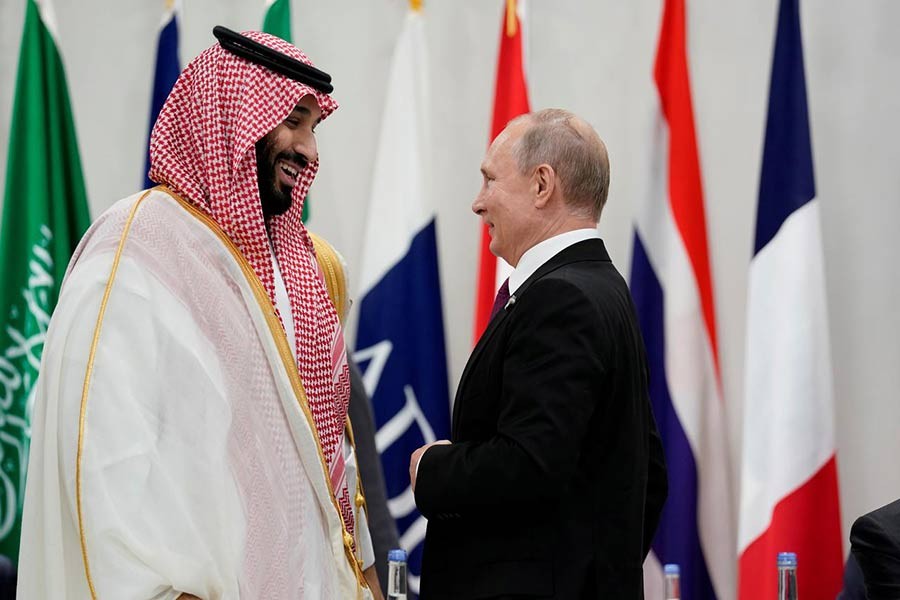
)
(657, 485)
(875, 542)
(550, 391)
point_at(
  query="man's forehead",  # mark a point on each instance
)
(487, 163)
(308, 105)
(499, 148)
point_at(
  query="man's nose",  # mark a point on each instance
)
(305, 144)
(478, 205)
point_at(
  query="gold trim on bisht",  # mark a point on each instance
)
(284, 352)
(87, 386)
(287, 359)
(332, 265)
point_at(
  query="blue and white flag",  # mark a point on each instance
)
(168, 67)
(400, 339)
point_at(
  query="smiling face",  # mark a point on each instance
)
(505, 202)
(283, 153)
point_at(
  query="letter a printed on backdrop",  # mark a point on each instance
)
(672, 287)
(400, 339)
(43, 219)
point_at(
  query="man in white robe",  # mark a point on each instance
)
(189, 421)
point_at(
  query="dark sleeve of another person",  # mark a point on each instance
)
(381, 523)
(854, 585)
(875, 543)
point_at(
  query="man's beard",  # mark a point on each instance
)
(275, 198)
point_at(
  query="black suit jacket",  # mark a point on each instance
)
(875, 543)
(555, 480)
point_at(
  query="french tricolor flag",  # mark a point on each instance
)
(672, 288)
(789, 487)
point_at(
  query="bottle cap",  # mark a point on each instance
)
(397, 555)
(787, 559)
(672, 569)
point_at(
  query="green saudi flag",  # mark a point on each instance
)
(278, 22)
(44, 215)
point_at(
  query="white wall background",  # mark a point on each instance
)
(594, 58)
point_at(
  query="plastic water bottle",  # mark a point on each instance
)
(673, 582)
(396, 584)
(787, 576)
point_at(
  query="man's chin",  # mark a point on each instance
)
(276, 204)
(281, 207)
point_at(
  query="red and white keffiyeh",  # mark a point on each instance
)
(203, 147)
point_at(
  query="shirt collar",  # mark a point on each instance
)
(540, 253)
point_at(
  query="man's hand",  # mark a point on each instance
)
(374, 586)
(416, 457)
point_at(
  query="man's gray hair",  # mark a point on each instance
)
(560, 139)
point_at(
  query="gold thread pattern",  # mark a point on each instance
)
(333, 269)
(360, 498)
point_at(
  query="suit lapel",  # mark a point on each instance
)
(592, 249)
(473, 359)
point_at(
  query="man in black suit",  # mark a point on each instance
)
(555, 478)
(875, 543)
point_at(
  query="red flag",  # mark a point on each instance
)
(510, 101)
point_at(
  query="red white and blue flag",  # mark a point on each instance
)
(789, 486)
(672, 287)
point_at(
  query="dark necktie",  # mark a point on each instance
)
(501, 299)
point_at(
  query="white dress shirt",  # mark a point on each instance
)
(541, 252)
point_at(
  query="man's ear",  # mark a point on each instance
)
(544, 184)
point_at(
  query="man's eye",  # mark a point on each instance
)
(292, 122)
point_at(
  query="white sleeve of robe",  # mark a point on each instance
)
(163, 511)
(168, 501)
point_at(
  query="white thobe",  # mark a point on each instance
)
(173, 449)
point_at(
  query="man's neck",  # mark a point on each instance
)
(553, 228)
(543, 251)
